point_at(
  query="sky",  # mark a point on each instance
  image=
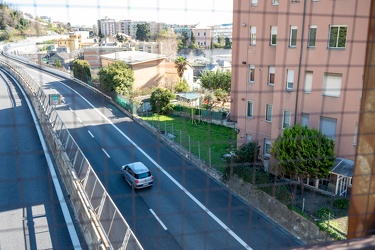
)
(87, 12)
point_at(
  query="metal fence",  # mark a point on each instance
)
(111, 226)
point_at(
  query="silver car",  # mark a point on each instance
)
(137, 175)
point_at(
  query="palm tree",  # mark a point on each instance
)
(181, 64)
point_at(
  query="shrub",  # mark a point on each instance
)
(342, 203)
(324, 213)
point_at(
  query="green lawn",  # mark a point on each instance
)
(205, 139)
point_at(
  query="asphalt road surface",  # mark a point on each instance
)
(30, 213)
(186, 208)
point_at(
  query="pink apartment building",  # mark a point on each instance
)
(298, 61)
(203, 36)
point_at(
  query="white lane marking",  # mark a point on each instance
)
(105, 152)
(158, 219)
(214, 217)
(79, 120)
(91, 134)
(64, 207)
(71, 109)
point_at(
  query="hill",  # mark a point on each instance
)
(15, 25)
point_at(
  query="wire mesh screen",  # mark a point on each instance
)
(245, 113)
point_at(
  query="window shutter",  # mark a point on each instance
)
(308, 81)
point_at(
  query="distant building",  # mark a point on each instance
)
(150, 47)
(107, 27)
(92, 54)
(223, 31)
(203, 36)
(73, 41)
(46, 19)
(149, 68)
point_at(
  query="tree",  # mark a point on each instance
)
(213, 80)
(228, 43)
(170, 82)
(181, 64)
(82, 70)
(304, 153)
(57, 63)
(160, 100)
(218, 82)
(193, 40)
(143, 32)
(243, 161)
(184, 39)
(169, 43)
(219, 39)
(182, 86)
(117, 77)
(121, 38)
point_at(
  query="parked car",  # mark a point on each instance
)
(137, 175)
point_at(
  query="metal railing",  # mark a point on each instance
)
(102, 224)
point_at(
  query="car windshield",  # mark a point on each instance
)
(143, 175)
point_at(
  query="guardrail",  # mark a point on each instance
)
(101, 223)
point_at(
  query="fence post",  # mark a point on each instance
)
(180, 138)
(303, 204)
(165, 126)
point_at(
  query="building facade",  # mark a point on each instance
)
(148, 68)
(92, 55)
(72, 42)
(298, 62)
(107, 27)
(223, 31)
(203, 36)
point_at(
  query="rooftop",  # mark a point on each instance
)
(133, 57)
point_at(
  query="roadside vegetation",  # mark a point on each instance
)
(14, 25)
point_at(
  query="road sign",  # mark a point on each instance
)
(54, 99)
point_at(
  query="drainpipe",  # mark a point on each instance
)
(300, 61)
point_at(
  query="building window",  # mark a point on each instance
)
(305, 119)
(273, 35)
(199, 34)
(199, 43)
(271, 75)
(204, 43)
(332, 84)
(275, 2)
(308, 82)
(249, 109)
(204, 34)
(286, 118)
(267, 147)
(268, 112)
(312, 36)
(337, 36)
(253, 31)
(293, 36)
(251, 73)
(254, 2)
(289, 79)
(328, 126)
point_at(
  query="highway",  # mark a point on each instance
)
(186, 208)
(30, 213)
